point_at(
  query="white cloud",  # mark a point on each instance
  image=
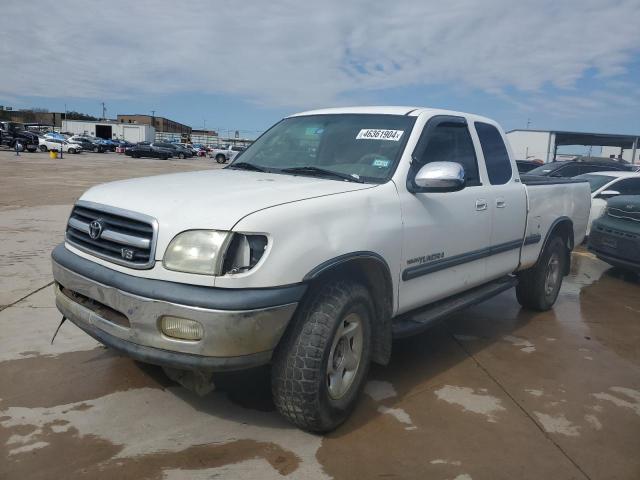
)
(289, 53)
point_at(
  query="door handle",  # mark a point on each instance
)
(500, 203)
(481, 204)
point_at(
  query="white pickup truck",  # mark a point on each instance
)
(335, 232)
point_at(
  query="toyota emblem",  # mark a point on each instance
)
(95, 229)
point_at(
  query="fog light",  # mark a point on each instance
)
(181, 328)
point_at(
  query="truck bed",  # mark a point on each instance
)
(551, 199)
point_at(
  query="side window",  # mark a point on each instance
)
(451, 142)
(628, 186)
(495, 154)
(570, 171)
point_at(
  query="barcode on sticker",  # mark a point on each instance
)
(377, 134)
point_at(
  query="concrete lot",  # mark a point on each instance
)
(494, 393)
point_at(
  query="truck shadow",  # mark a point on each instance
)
(418, 363)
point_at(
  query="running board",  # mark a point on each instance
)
(419, 320)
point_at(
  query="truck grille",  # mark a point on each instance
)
(624, 214)
(120, 236)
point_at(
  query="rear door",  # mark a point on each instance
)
(507, 203)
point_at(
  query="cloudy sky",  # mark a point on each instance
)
(570, 64)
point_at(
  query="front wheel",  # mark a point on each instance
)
(322, 362)
(43, 148)
(71, 151)
(539, 286)
(221, 158)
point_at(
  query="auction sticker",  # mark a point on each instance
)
(377, 134)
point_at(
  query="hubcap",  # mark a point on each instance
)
(553, 274)
(344, 358)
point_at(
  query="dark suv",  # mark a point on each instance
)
(147, 150)
(12, 133)
(579, 166)
(615, 236)
(178, 150)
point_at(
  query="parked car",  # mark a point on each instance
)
(87, 144)
(12, 133)
(314, 263)
(224, 154)
(579, 166)
(55, 135)
(177, 150)
(47, 144)
(146, 150)
(615, 236)
(525, 166)
(605, 185)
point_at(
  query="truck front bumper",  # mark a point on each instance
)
(241, 327)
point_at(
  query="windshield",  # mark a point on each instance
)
(363, 146)
(596, 181)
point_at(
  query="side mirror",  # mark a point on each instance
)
(440, 177)
(608, 194)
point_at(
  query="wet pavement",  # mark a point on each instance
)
(493, 393)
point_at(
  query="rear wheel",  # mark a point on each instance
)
(539, 286)
(43, 148)
(96, 149)
(323, 360)
(181, 155)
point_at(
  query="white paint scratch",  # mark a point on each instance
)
(437, 461)
(399, 414)
(527, 346)
(28, 448)
(558, 424)
(534, 392)
(379, 390)
(482, 404)
(593, 420)
(619, 402)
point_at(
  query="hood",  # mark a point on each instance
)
(627, 203)
(211, 199)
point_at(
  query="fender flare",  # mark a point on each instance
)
(382, 334)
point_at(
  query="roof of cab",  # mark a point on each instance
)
(390, 110)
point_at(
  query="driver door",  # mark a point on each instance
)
(446, 235)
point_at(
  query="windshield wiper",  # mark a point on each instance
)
(310, 170)
(247, 166)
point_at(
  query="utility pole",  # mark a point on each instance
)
(528, 123)
(104, 112)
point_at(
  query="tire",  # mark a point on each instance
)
(220, 158)
(96, 149)
(43, 148)
(319, 369)
(71, 151)
(181, 155)
(539, 285)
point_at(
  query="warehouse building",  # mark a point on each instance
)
(110, 129)
(160, 124)
(544, 144)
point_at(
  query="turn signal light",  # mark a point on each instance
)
(181, 328)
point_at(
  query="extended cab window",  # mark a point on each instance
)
(495, 154)
(451, 142)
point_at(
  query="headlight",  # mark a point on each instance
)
(197, 251)
(244, 252)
